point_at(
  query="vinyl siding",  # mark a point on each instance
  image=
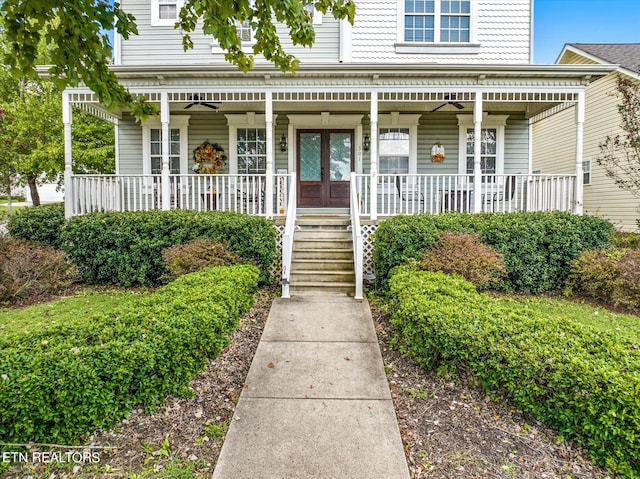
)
(602, 197)
(163, 44)
(503, 30)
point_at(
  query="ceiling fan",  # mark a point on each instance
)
(195, 101)
(451, 97)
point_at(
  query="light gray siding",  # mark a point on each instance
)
(502, 31)
(163, 44)
(130, 146)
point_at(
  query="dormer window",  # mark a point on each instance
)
(165, 12)
(245, 33)
(437, 21)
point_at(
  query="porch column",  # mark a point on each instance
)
(268, 184)
(477, 154)
(164, 119)
(68, 162)
(373, 156)
(580, 107)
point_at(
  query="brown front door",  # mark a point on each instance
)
(324, 162)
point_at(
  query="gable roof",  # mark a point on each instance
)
(627, 55)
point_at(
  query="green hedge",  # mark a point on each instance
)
(126, 248)
(537, 247)
(582, 381)
(89, 372)
(39, 224)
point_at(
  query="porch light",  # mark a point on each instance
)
(366, 142)
(283, 143)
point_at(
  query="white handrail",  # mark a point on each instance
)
(287, 237)
(356, 233)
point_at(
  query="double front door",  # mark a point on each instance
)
(324, 163)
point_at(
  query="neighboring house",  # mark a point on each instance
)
(410, 83)
(554, 135)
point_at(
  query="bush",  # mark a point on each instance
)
(608, 275)
(464, 254)
(87, 373)
(625, 240)
(28, 270)
(196, 255)
(126, 248)
(536, 247)
(39, 224)
(582, 381)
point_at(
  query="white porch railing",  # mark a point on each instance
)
(412, 194)
(239, 193)
(287, 238)
(358, 243)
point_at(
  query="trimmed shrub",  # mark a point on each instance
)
(536, 247)
(28, 270)
(87, 373)
(625, 240)
(580, 380)
(196, 255)
(126, 248)
(608, 275)
(39, 224)
(464, 254)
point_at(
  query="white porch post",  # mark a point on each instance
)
(268, 185)
(477, 153)
(68, 161)
(165, 119)
(580, 109)
(373, 155)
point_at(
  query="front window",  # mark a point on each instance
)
(251, 147)
(437, 21)
(155, 149)
(488, 151)
(394, 145)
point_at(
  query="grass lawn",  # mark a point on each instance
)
(4, 210)
(42, 316)
(597, 317)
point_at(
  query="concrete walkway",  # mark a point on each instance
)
(316, 402)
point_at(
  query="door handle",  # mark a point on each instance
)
(322, 174)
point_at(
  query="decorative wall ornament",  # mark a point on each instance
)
(209, 159)
(437, 152)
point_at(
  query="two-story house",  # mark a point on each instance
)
(420, 106)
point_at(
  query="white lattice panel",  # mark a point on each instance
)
(276, 267)
(367, 244)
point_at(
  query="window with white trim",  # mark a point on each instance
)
(586, 171)
(393, 148)
(491, 145)
(165, 12)
(251, 147)
(178, 146)
(436, 21)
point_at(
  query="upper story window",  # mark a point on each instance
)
(165, 12)
(436, 26)
(433, 21)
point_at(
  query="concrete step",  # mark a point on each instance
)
(337, 242)
(332, 264)
(322, 253)
(315, 287)
(323, 221)
(322, 276)
(325, 233)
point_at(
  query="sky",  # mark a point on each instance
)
(557, 22)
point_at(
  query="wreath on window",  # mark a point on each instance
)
(209, 158)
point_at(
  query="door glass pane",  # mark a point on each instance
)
(340, 156)
(310, 144)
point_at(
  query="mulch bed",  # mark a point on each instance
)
(449, 428)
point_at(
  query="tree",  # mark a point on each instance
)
(620, 154)
(78, 47)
